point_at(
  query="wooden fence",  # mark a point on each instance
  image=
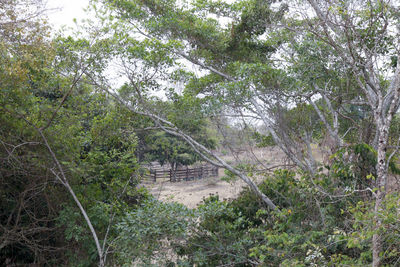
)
(181, 174)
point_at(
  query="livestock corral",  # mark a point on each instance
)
(179, 174)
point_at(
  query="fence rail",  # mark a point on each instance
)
(181, 174)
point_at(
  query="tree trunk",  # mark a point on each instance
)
(382, 172)
(376, 238)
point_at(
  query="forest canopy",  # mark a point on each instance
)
(188, 82)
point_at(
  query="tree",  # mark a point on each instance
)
(166, 148)
(364, 38)
(27, 188)
(158, 35)
(58, 138)
(346, 53)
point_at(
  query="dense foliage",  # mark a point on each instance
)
(195, 76)
(319, 225)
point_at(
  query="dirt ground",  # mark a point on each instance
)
(191, 193)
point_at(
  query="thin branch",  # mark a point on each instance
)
(64, 181)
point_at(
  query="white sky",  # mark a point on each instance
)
(66, 11)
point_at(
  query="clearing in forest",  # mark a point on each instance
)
(191, 193)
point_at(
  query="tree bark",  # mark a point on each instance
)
(376, 238)
(382, 172)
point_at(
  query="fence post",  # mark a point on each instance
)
(155, 175)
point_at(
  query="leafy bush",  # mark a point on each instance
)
(220, 236)
(312, 227)
(149, 234)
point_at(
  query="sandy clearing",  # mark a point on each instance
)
(191, 193)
